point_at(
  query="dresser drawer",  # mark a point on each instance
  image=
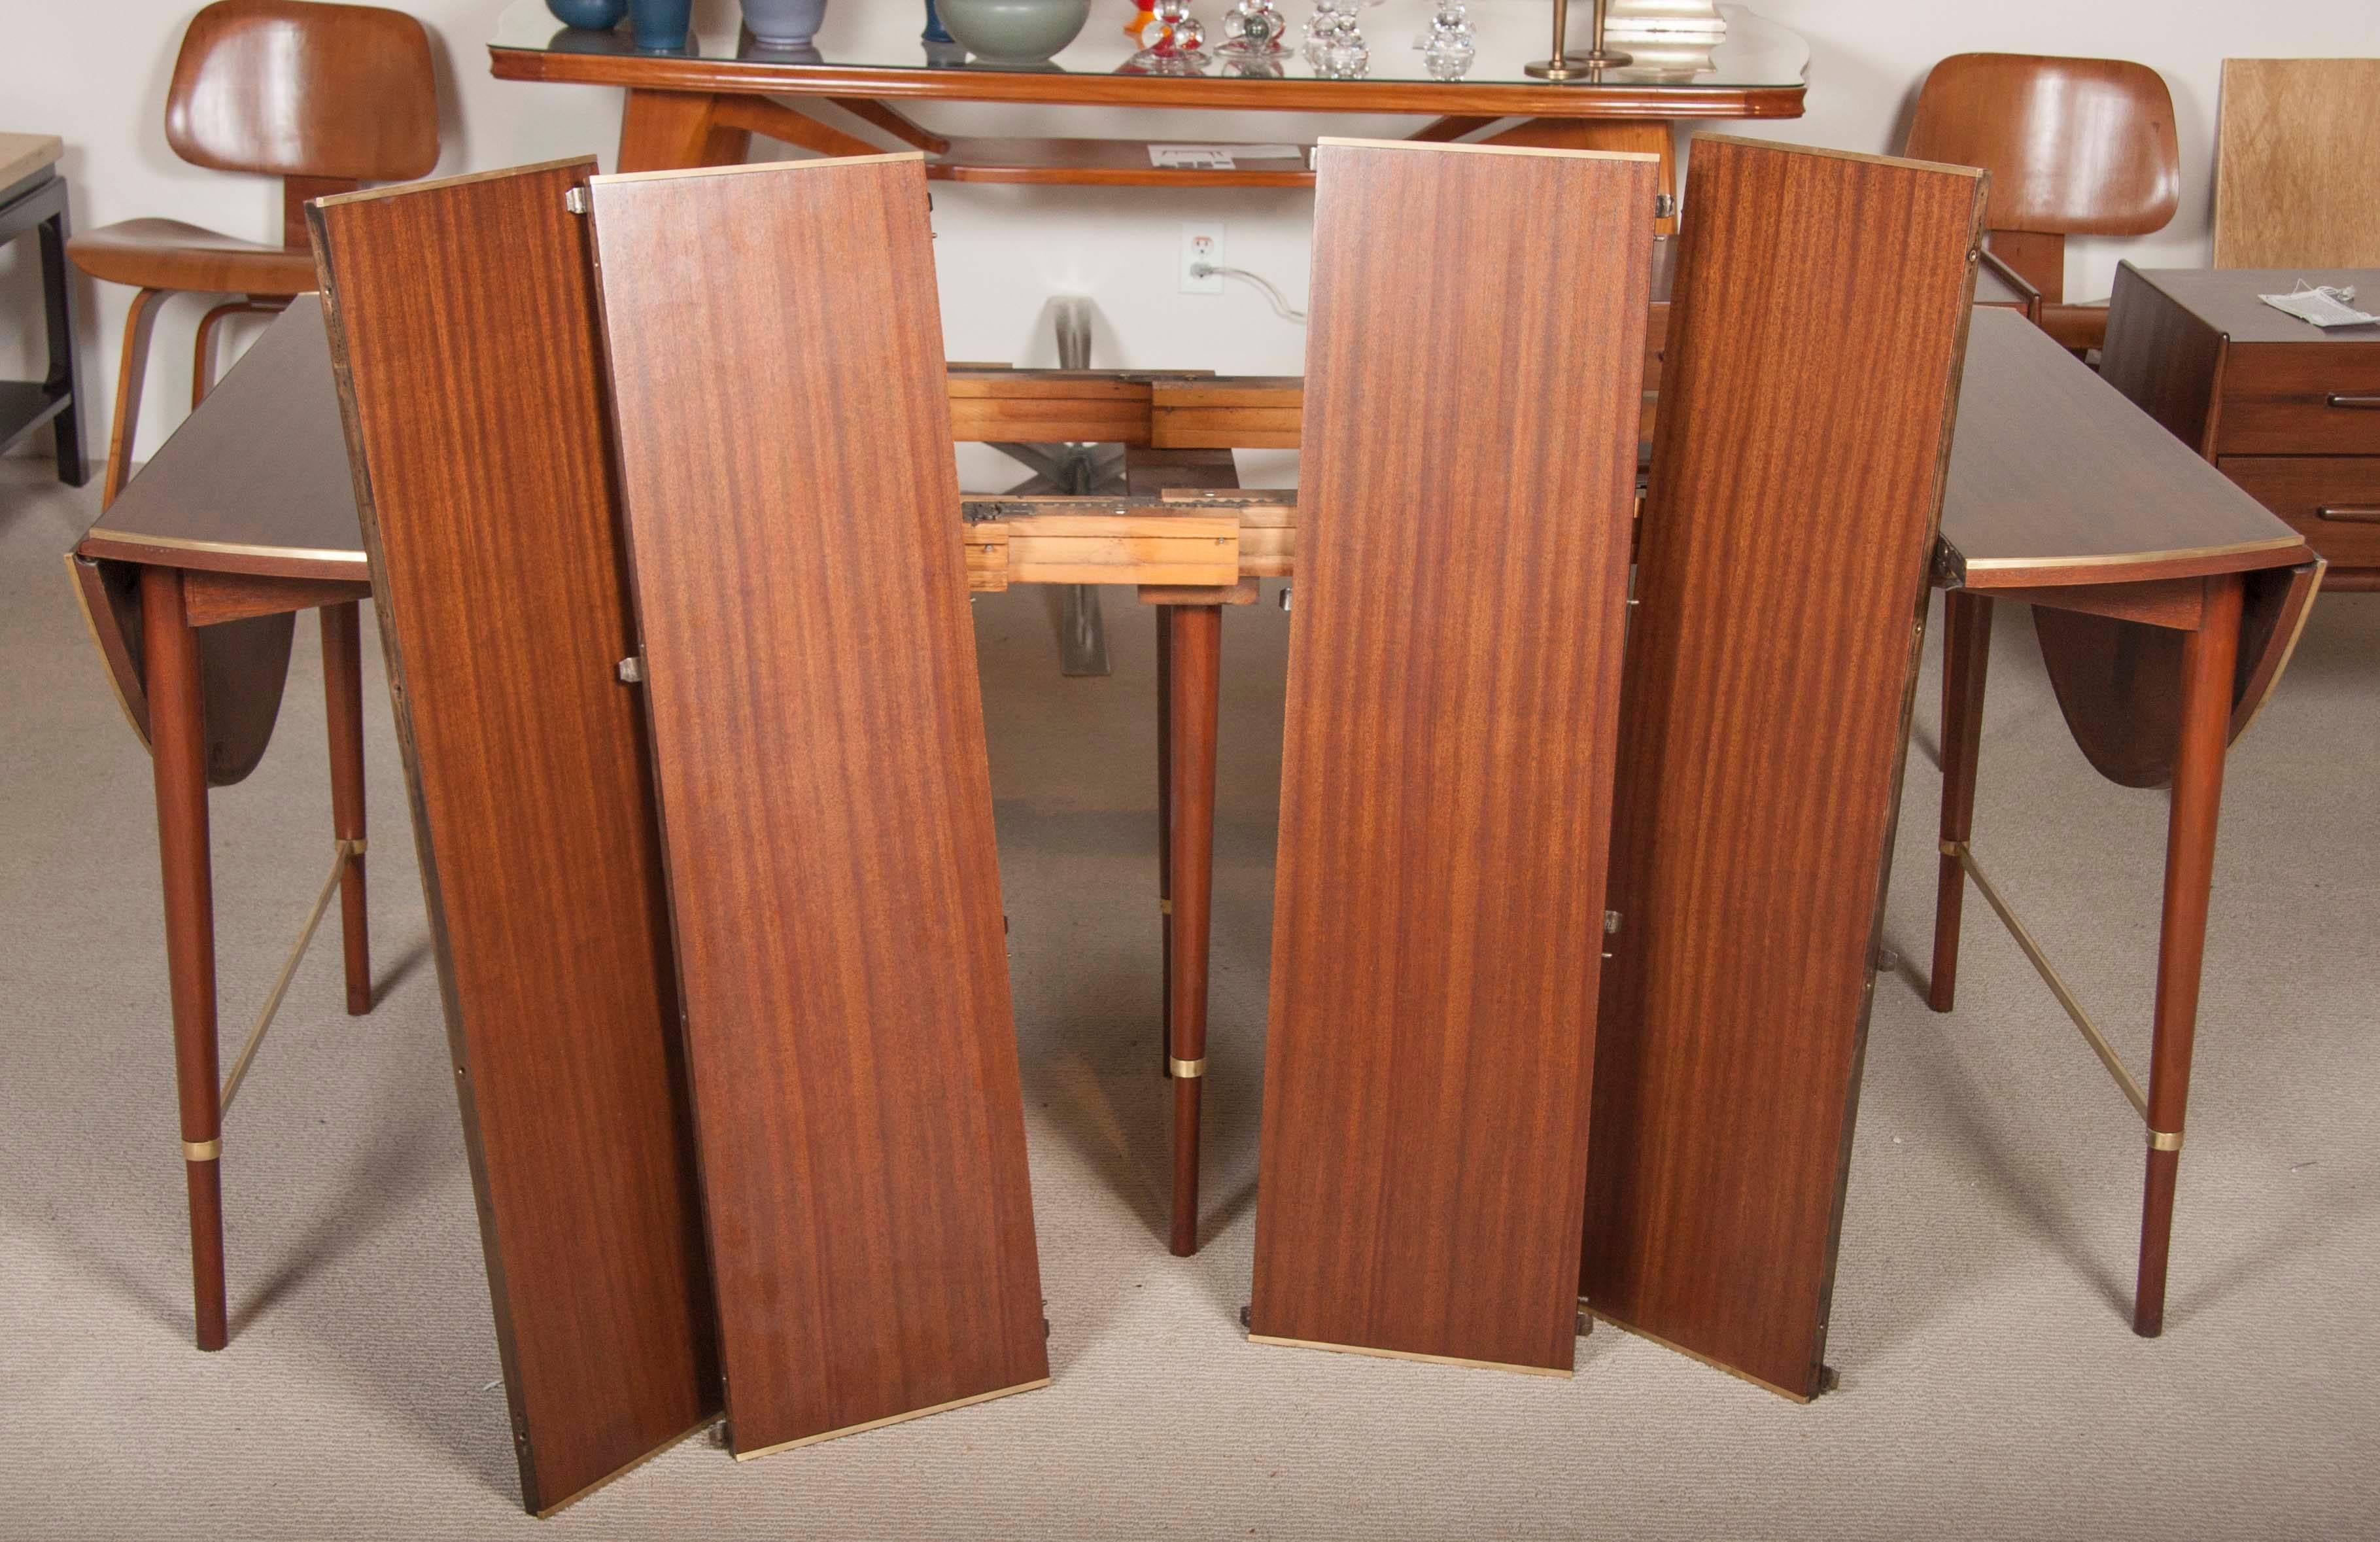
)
(2301, 398)
(2333, 501)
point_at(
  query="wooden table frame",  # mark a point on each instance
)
(1192, 547)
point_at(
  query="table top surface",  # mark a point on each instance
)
(2055, 478)
(23, 155)
(2225, 298)
(876, 49)
(256, 479)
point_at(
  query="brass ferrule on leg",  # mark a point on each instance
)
(202, 1151)
(1187, 1070)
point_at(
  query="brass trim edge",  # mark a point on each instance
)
(202, 1151)
(2020, 564)
(1186, 1070)
(231, 548)
(891, 1419)
(617, 1474)
(1409, 1355)
(1164, 906)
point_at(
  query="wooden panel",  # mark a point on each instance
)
(1796, 484)
(1251, 413)
(2289, 138)
(462, 322)
(1047, 407)
(2163, 359)
(810, 676)
(1468, 477)
(1104, 163)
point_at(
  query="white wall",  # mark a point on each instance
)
(94, 72)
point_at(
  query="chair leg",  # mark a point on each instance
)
(1193, 676)
(202, 350)
(137, 329)
(343, 690)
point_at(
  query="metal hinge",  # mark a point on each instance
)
(575, 201)
(1664, 206)
(631, 669)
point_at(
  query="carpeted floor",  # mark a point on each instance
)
(1991, 1385)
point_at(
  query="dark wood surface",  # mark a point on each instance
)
(2021, 509)
(1454, 656)
(1782, 582)
(468, 358)
(257, 484)
(818, 740)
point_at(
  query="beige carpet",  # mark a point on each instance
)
(1991, 1385)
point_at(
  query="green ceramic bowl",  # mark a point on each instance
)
(1015, 32)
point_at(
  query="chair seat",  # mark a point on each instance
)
(168, 254)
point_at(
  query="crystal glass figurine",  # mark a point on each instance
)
(1334, 40)
(1179, 48)
(1448, 45)
(1255, 27)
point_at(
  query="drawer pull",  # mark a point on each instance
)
(2342, 399)
(2358, 514)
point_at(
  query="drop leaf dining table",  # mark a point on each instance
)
(2060, 493)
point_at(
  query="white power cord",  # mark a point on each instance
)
(1281, 305)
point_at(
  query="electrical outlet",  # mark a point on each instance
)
(1202, 244)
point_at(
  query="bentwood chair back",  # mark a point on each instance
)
(325, 97)
(2075, 147)
(2292, 165)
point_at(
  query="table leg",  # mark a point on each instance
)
(674, 130)
(2208, 656)
(177, 744)
(57, 293)
(1165, 837)
(343, 692)
(1194, 679)
(1966, 655)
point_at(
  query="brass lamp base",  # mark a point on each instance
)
(1578, 66)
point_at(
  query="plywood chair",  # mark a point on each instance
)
(2293, 157)
(2075, 147)
(324, 97)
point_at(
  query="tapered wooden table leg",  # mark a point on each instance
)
(1966, 655)
(177, 744)
(1193, 677)
(343, 692)
(1165, 837)
(2208, 656)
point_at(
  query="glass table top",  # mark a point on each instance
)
(886, 35)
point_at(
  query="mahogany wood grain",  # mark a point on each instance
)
(1781, 579)
(1454, 657)
(2285, 129)
(211, 598)
(464, 328)
(2208, 659)
(1193, 677)
(819, 742)
(178, 753)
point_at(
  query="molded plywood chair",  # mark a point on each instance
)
(324, 97)
(2075, 147)
(2292, 159)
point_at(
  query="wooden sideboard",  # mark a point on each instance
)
(2290, 411)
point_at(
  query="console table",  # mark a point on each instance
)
(701, 105)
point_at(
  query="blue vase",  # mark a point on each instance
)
(595, 16)
(935, 32)
(659, 24)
